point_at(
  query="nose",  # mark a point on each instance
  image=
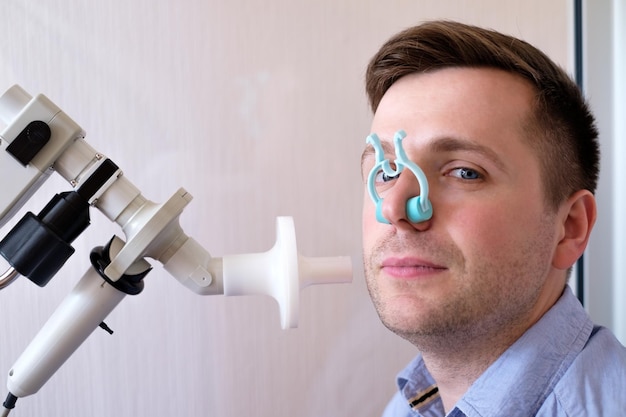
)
(407, 206)
(403, 204)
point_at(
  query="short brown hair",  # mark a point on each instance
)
(561, 129)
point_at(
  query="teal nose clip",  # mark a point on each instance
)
(418, 209)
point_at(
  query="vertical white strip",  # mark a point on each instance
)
(619, 156)
(598, 87)
(605, 87)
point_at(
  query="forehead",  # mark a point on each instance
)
(487, 108)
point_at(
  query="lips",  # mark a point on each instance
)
(410, 268)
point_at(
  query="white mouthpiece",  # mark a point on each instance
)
(282, 273)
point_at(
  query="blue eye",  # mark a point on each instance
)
(466, 174)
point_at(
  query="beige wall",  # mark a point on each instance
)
(257, 109)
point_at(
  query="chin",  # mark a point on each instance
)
(402, 320)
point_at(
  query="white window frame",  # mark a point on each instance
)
(604, 84)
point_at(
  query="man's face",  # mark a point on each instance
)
(482, 263)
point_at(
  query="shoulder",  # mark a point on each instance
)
(595, 383)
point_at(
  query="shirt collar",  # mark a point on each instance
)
(523, 376)
(415, 382)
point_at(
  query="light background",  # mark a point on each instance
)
(257, 109)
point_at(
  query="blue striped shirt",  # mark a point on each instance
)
(562, 366)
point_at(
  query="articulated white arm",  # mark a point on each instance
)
(39, 138)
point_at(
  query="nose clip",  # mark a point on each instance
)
(418, 209)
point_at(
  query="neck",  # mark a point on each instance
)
(456, 359)
(455, 370)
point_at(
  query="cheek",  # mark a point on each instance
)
(484, 227)
(492, 228)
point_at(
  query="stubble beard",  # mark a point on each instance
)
(489, 299)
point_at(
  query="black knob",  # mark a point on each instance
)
(30, 141)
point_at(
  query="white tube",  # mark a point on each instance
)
(328, 270)
(282, 273)
(75, 319)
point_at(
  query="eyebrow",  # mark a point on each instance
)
(443, 144)
(449, 144)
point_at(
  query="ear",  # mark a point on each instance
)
(578, 215)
